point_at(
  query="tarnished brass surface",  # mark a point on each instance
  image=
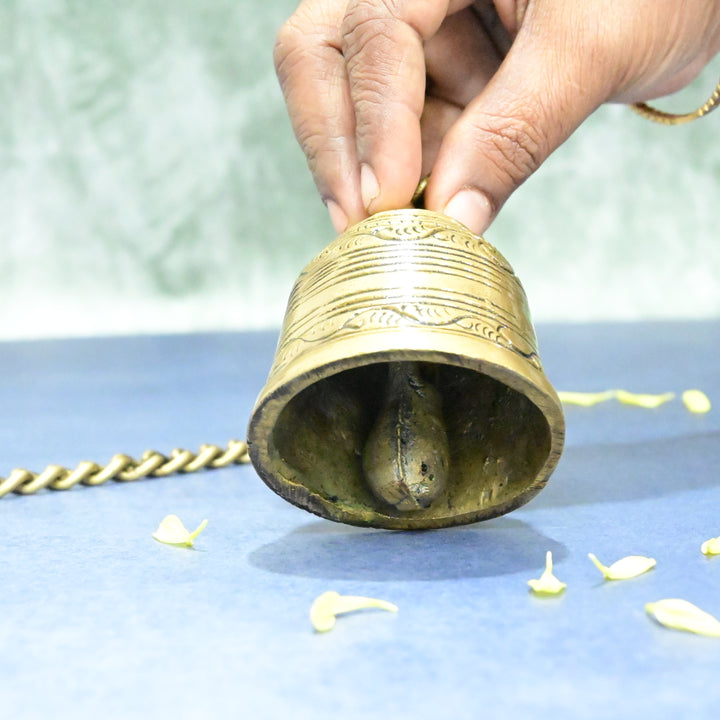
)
(406, 456)
(407, 390)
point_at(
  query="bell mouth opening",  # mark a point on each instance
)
(498, 446)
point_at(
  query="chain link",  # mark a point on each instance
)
(123, 468)
(666, 118)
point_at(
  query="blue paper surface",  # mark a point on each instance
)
(99, 620)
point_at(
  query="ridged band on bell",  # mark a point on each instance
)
(407, 390)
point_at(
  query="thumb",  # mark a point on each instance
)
(540, 94)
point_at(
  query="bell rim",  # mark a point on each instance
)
(275, 397)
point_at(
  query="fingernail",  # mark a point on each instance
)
(337, 216)
(472, 209)
(369, 187)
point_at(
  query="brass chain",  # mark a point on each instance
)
(123, 468)
(666, 118)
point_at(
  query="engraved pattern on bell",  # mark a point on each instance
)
(369, 278)
(407, 390)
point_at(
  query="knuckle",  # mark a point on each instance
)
(311, 143)
(367, 23)
(514, 145)
(359, 13)
(288, 44)
(319, 147)
(327, 159)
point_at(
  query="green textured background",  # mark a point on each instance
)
(150, 182)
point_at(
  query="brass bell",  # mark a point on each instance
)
(407, 391)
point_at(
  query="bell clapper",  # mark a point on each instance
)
(406, 456)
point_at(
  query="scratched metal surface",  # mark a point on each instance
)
(99, 620)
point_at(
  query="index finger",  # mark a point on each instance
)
(311, 70)
(382, 42)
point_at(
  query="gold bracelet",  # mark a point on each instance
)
(666, 118)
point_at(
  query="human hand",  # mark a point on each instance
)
(381, 92)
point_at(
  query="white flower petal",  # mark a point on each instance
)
(711, 546)
(683, 615)
(642, 399)
(625, 568)
(171, 531)
(696, 401)
(585, 399)
(329, 604)
(547, 583)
